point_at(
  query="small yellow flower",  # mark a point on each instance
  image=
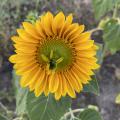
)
(54, 55)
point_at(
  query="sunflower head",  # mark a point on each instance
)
(54, 55)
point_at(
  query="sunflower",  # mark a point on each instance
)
(54, 55)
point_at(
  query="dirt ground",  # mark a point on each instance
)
(108, 80)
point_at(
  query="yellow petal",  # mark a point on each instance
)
(95, 47)
(64, 84)
(38, 91)
(58, 21)
(24, 64)
(83, 77)
(88, 60)
(76, 31)
(73, 81)
(82, 37)
(86, 54)
(54, 83)
(70, 89)
(12, 58)
(72, 31)
(69, 19)
(46, 22)
(83, 68)
(34, 79)
(69, 29)
(40, 29)
(58, 93)
(84, 45)
(39, 86)
(65, 25)
(20, 41)
(15, 39)
(46, 86)
(26, 69)
(26, 78)
(30, 29)
(27, 37)
(95, 66)
(77, 78)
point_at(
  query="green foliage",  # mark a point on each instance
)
(94, 107)
(90, 114)
(21, 95)
(117, 100)
(2, 117)
(92, 86)
(99, 54)
(110, 26)
(103, 22)
(46, 108)
(111, 35)
(32, 17)
(101, 7)
(39, 108)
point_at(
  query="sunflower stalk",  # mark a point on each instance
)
(115, 11)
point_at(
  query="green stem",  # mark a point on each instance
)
(115, 11)
(37, 5)
(3, 107)
(71, 111)
(94, 29)
(104, 51)
(4, 116)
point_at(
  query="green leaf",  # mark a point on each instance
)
(101, 7)
(21, 95)
(117, 100)
(32, 17)
(99, 54)
(2, 117)
(111, 35)
(92, 86)
(46, 108)
(90, 114)
(39, 108)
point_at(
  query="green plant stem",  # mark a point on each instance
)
(3, 107)
(69, 113)
(18, 118)
(37, 4)
(94, 29)
(115, 11)
(4, 116)
(104, 53)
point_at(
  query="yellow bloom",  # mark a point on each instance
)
(54, 55)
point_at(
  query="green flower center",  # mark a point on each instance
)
(55, 53)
